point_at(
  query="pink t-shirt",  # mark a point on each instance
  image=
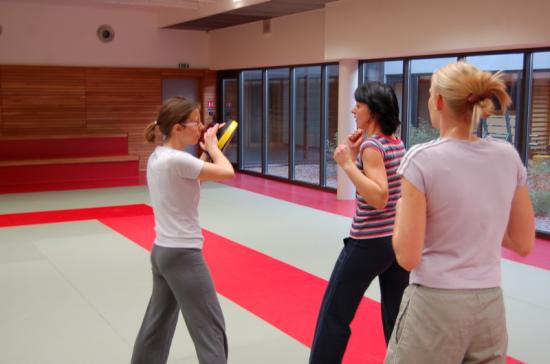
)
(469, 186)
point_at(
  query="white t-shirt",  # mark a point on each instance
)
(469, 187)
(175, 194)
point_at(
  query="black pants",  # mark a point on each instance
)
(358, 264)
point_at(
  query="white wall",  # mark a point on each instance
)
(35, 34)
(294, 39)
(360, 29)
(375, 29)
(345, 29)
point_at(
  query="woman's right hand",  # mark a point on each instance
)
(354, 141)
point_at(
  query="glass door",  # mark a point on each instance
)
(228, 106)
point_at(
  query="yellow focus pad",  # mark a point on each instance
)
(227, 133)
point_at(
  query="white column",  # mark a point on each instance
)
(347, 83)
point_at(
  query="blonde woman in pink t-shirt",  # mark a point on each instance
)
(463, 198)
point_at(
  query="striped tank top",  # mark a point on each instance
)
(367, 221)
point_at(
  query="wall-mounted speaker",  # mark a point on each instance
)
(105, 33)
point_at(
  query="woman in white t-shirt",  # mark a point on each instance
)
(463, 198)
(181, 279)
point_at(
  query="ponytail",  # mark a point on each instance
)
(470, 91)
(150, 132)
(493, 87)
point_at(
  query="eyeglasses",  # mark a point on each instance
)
(191, 123)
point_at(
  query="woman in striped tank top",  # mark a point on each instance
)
(370, 159)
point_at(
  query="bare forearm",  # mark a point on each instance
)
(518, 246)
(400, 245)
(219, 159)
(410, 226)
(520, 231)
(371, 192)
(400, 249)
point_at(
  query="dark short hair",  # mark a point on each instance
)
(382, 102)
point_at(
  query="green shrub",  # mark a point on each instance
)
(539, 186)
(423, 133)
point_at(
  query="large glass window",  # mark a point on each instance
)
(539, 141)
(284, 113)
(420, 128)
(502, 126)
(277, 122)
(252, 121)
(230, 112)
(315, 116)
(413, 101)
(331, 141)
(307, 123)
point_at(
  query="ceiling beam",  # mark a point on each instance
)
(167, 18)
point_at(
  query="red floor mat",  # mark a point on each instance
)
(284, 296)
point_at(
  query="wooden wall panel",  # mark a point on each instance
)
(71, 99)
(42, 98)
(137, 144)
(125, 99)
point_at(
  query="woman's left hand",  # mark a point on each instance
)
(210, 140)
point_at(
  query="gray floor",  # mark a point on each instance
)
(75, 292)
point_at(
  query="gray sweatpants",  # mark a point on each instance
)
(181, 281)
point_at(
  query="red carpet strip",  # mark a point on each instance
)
(139, 180)
(282, 295)
(94, 213)
(305, 196)
(300, 195)
(326, 201)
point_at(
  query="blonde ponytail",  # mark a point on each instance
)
(469, 92)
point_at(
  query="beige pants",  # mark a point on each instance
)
(449, 326)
